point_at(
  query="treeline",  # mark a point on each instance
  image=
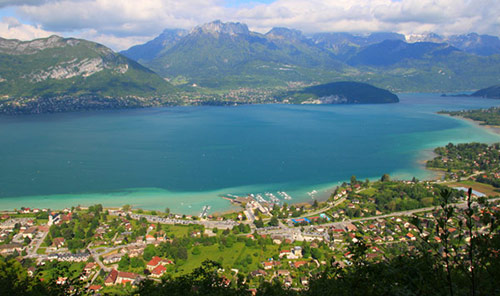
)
(489, 116)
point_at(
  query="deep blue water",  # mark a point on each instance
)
(183, 157)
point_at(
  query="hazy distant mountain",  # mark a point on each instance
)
(57, 74)
(150, 49)
(229, 55)
(483, 45)
(390, 52)
(344, 45)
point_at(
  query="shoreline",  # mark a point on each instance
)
(492, 128)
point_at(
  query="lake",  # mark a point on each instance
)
(186, 157)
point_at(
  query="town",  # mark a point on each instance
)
(113, 250)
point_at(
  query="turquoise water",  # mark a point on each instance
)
(185, 157)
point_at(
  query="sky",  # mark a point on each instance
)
(120, 24)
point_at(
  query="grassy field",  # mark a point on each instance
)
(176, 230)
(228, 256)
(481, 187)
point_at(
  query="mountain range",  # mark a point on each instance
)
(181, 67)
(229, 55)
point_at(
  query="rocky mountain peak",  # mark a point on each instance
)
(217, 28)
(14, 46)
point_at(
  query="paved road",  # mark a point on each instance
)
(395, 214)
(38, 244)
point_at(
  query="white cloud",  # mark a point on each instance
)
(119, 23)
(114, 42)
(11, 28)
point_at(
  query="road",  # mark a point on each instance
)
(38, 244)
(395, 214)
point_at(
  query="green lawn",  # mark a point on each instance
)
(228, 256)
(176, 230)
(369, 191)
(41, 251)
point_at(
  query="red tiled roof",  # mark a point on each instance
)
(127, 275)
(299, 263)
(111, 278)
(95, 287)
(159, 270)
(155, 261)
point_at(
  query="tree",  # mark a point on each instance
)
(196, 251)
(315, 204)
(258, 223)
(124, 262)
(274, 221)
(126, 208)
(353, 180)
(385, 178)
(149, 252)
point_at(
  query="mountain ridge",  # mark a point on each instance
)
(54, 71)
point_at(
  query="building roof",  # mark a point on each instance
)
(155, 261)
(159, 270)
(111, 278)
(95, 287)
(127, 275)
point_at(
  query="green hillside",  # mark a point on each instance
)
(51, 74)
(345, 92)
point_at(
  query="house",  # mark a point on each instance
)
(113, 258)
(54, 219)
(31, 271)
(135, 251)
(304, 281)
(58, 242)
(283, 272)
(258, 272)
(296, 252)
(30, 232)
(67, 217)
(351, 227)
(89, 267)
(298, 264)
(285, 253)
(268, 265)
(157, 261)
(11, 248)
(61, 280)
(158, 271)
(288, 281)
(111, 278)
(94, 288)
(126, 277)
